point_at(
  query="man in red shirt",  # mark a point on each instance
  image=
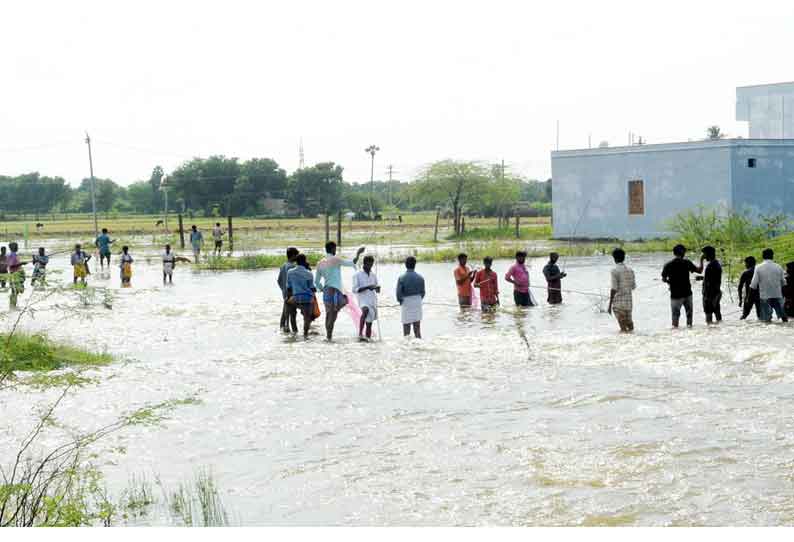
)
(463, 279)
(488, 283)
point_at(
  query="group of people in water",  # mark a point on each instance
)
(765, 286)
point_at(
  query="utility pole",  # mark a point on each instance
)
(93, 184)
(391, 170)
(164, 188)
(503, 169)
(372, 149)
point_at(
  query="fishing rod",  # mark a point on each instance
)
(576, 229)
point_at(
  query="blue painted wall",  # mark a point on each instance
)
(590, 187)
(767, 189)
(591, 194)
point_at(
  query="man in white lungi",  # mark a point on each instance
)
(366, 287)
(410, 293)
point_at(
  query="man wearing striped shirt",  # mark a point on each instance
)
(620, 296)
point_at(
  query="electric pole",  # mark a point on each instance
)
(164, 188)
(372, 149)
(93, 184)
(391, 170)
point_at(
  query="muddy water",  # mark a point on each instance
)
(472, 426)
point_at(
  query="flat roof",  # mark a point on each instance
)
(768, 85)
(667, 147)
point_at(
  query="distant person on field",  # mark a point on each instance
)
(410, 293)
(287, 309)
(769, 279)
(623, 284)
(300, 292)
(788, 291)
(102, 243)
(366, 288)
(16, 275)
(40, 262)
(518, 276)
(328, 279)
(125, 266)
(3, 267)
(749, 298)
(79, 262)
(554, 279)
(196, 241)
(463, 279)
(676, 274)
(217, 235)
(488, 282)
(712, 285)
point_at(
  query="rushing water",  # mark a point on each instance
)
(542, 417)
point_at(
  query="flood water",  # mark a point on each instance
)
(540, 417)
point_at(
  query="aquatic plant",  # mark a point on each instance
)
(22, 352)
(527, 232)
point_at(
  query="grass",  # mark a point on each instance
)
(532, 232)
(250, 262)
(22, 352)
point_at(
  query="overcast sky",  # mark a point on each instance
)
(160, 82)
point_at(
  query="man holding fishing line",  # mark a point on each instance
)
(464, 276)
(518, 276)
(328, 279)
(102, 243)
(366, 288)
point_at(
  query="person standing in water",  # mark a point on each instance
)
(169, 262)
(623, 284)
(79, 262)
(196, 241)
(518, 276)
(769, 279)
(366, 288)
(3, 267)
(40, 262)
(287, 308)
(554, 278)
(126, 267)
(488, 282)
(217, 235)
(300, 292)
(712, 285)
(102, 244)
(676, 273)
(328, 280)
(410, 293)
(749, 298)
(463, 279)
(788, 291)
(16, 275)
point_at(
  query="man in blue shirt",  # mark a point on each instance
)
(103, 243)
(196, 241)
(300, 293)
(288, 310)
(410, 293)
(328, 279)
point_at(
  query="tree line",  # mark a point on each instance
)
(219, 185)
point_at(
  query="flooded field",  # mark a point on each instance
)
(539, 417)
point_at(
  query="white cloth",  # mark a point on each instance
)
(769, 279)
(412, 309)
(367, 298)
(168, 262)
(217, 234)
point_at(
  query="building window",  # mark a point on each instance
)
(637, 197)
(751, 162)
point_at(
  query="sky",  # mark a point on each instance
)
(156, 82)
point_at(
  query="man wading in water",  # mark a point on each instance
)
(712, 285)
(463, 279)
(518, 276)
(554, 279)
(676, 274)
(328, 279)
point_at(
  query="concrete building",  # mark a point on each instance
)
(632, 192)
(769, 110)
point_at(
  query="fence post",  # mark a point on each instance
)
(231, 234)
(327, 227)
(435, 231)
(518, 226)
(181, 232)
(339, 229)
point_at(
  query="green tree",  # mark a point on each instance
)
(454, 184)
(317, 189)
(205, 183)
(259, 178)
(140, 197)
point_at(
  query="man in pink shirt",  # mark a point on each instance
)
(518, 275)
